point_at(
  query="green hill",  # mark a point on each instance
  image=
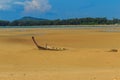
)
(28, 18)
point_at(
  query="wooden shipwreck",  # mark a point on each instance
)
(46, 48)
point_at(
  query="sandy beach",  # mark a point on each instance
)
(88, 55)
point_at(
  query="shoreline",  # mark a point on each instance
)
(60, 26)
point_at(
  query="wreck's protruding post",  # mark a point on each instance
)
(46, 46)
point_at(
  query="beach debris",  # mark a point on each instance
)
(113, 50)
(47, 47)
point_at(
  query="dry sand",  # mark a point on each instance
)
(88, 56)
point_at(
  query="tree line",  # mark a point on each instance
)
(74, 21)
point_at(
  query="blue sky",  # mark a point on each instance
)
(62, 9)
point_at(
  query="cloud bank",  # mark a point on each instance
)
(28, 5)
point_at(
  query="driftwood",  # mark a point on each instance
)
(46, 48)
(113, 50)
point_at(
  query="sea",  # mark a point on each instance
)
(106, 28)
(65, 26)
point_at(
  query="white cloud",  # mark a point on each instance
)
(4, 7)
(37, 5)
(28, 5)
(5, 4)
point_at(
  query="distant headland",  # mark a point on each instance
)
(32, 21)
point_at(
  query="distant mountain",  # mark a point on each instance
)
(32, 21)
(27, 18)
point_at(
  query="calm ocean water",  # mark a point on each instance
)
(98, 28)
(63, 26)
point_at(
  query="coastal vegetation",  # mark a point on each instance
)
(31, 21)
